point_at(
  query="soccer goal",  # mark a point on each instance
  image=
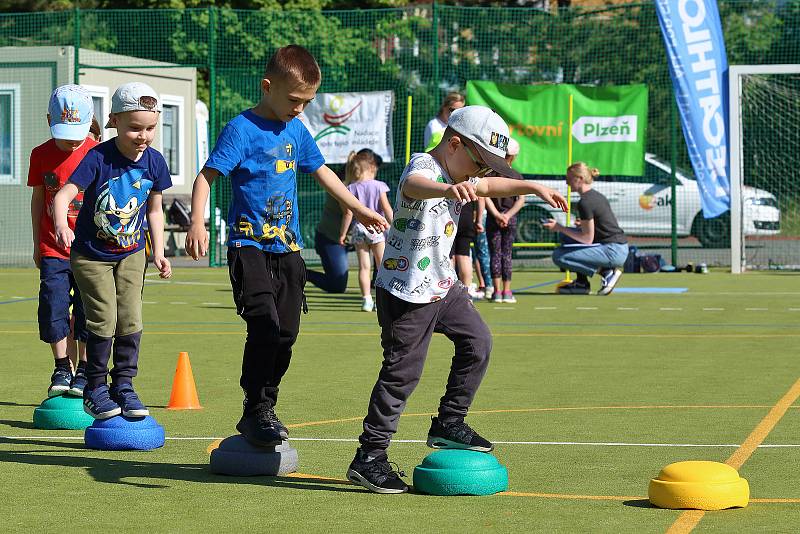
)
(765, 162)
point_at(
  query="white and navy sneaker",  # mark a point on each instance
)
(128, 401)
(610, 277)
(98, 403)
(59, 382)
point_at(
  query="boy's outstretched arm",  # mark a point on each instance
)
(155, 222)
(197, 236)
(330, 182)
(497, 187)
(64, 235)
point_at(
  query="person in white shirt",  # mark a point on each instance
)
(418, 293)
(437, 125)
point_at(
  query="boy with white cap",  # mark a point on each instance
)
(118, 178)
(69, 115)
(425, 296)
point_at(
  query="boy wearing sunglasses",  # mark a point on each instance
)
(418, 292)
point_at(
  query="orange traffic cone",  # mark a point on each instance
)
(184, 393)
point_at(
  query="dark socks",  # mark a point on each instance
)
(82, 365)
(62, 363)
(582, 279)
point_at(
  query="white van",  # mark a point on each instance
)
(643, 207)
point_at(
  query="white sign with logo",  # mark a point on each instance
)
(344, 122)
(605, 129)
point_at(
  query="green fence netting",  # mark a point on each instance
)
(422, 51)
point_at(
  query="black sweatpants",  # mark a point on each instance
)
(268, 292)
(406, 331)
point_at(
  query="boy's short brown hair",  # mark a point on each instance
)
(296, 62)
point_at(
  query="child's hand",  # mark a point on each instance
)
(479, 227)
(502, 220)
(463, 191)
(196, 241)
(342, 239)
(372, 220)
(64, 236)
(163, 266)
(553, 197)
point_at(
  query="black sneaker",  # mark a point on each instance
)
(376, 473)
(456, 435)
(574, 288)
(260, 426)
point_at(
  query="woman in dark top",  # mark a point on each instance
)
(597, 245)
(326, 242)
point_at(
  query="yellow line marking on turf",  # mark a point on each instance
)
(213, 446)
(690, 518)
(495, 334)
(567, 496)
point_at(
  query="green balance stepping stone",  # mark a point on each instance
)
(61, 413)
(460, 472)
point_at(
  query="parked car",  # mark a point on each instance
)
(643, 206)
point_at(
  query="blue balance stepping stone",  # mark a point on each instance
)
(122, 433)
(460, 472)
(235, 456)
(61, 413)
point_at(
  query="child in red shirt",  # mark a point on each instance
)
(69, 116)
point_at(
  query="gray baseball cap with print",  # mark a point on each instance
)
(134, 96)
(488, 132)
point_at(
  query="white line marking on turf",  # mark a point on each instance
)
(585, 307)
(671, 309)
(627, 309)
(212, 304)
(545, 308)
(713, 309)
(149, 302)
(178, 302)
(794, 309)
(354, 440)
(187, 283)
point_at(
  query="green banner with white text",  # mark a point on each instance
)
(608, 124)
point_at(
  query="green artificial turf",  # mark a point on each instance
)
(571, 373)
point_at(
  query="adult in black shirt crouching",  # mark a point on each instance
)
(598, 244)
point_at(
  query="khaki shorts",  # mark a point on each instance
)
(111, 292)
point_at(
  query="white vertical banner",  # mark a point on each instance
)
(345, 122)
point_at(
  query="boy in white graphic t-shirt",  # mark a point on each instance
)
(418, 292)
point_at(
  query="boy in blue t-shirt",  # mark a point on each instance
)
(261, 150)
(118, 178)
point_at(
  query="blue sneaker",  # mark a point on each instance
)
(78, 384)
(610, 277)
(59, 382)
(129, 401)
(98, 403)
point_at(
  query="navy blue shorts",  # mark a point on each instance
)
(57, 292)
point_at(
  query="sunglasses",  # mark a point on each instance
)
(483, 169)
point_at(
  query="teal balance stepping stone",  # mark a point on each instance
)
(236, 456)
(122, 433)
(460, 472)
(63, 412)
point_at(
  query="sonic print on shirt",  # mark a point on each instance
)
(116, 193)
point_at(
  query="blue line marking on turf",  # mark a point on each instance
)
(536, 285)
(18, 300)
(651, 290)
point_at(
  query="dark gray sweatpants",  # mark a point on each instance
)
(406, 330)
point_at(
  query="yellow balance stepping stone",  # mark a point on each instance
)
(699, 485)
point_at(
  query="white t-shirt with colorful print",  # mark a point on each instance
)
(416, 261)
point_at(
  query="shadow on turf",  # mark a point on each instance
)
(17, 424)
(638, 503)
(6, 403)
(116, 471)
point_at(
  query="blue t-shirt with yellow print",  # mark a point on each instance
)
(261, 158)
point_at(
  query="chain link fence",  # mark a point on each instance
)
(423, 51)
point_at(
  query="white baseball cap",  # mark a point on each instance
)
(71, 113)
(488, 132)
(134, 96)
